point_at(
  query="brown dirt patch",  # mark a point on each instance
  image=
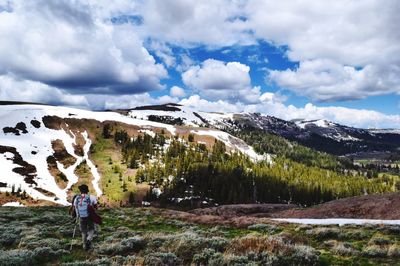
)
(61, 154)
(59, 177)
(378, 206)
(235, 210)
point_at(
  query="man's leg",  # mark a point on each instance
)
(84, 231)
(90, 232)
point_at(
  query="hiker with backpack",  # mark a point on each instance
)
(84, 206)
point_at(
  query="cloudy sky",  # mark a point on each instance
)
(333, 59)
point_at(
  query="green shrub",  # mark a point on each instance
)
(344, 249)
(208, 257)
(394, 251)
(380, 240)
(9, 236)
(19, 257)
(161, 259)
(128, 245)
(374, 251)
(323, 232)
(270, 228)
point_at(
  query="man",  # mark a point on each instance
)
(82, 204)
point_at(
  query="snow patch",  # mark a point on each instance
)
(337, 221)
(234, 143)
(13, 204)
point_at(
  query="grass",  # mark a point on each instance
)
(117, 180)
(42, 236)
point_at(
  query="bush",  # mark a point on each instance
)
(374, 251)
(52, 243)
(270, 228)
(355, 234)
(394, 251)
(236, 260)
(186, 245)
(9, 236)
(17, 257)
(161, 259)
(117, 261)
(344, 249)
(208, 257)
(44, 254)
(131, 244)
(380, 240)
(324, 232)
(304, 255)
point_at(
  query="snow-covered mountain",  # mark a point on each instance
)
(320, 134)
(39, 144)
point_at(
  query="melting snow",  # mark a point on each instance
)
(234, 143)
(337, 221)
(13, 204)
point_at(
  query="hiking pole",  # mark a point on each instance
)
(73, 235)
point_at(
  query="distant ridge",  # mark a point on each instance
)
(19, 103)
(172, 107)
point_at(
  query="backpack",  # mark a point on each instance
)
(82, 204)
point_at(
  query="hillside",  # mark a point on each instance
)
(149, 236)
(46, 151)
(380, 206)
(321, 135)
(127, 159)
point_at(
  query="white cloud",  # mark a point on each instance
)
(12, 89)
(189, 23)
(214, 79)
(128, 101)
(176, 91)
(64, 44)
(324, 80)
(346, 49)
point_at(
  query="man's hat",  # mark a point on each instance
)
(83, 188)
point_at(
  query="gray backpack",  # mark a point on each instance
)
(81, 205)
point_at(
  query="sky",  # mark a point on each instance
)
(336, 59)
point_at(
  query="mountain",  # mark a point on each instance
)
(168, 155)
(320, 134)
(42, 148)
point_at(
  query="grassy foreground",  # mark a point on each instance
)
(42, 236)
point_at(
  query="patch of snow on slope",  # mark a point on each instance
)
(13, 204)
(91, 165)
(148, 132)
(319, 123)
(187, 114)
(338, 221)
(234, 143)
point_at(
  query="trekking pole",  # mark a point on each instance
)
(73, 235)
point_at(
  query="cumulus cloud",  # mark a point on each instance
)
(215, 79)
(217, 23)
(110, 102)
(325, 80)
(345, 49)
(176, 91)
(13, 89)
(63, 44)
